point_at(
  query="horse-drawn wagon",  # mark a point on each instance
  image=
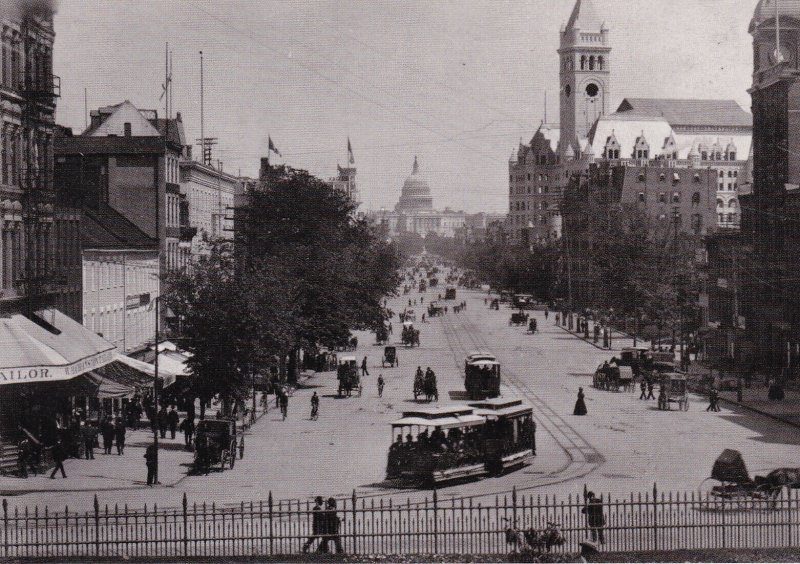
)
(216, 442)
(347, 374)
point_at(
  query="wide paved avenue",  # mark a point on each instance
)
(623, 445)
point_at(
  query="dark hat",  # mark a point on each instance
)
(318, 499)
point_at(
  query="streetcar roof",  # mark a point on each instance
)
(408, 323)
(474, 355)
(434, 412)
(505, 413)
(482, 362)
(451, 422)
(496, 403)
(348, 358)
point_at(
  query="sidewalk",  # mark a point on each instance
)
(112, 471)
(755, 399)
(619, 340)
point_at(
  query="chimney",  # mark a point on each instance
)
(178, 117)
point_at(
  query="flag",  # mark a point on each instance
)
(350, 157)
(273, 148)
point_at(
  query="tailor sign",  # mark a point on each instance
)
(54, 372)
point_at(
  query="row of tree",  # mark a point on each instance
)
(301, 272)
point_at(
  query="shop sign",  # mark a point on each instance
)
(137, 300)
(54, 373)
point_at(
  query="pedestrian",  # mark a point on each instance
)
(314, 407)
(284, 401)
(594, 517)
(380, 385)
(151, 460)
(580, 404)
(364, 371)
(558, 319)
(172, 420)
(119, 436)
(712, 400)
(546, 313)
(650, 386)
(423, 318)
(332, 524)
(107, 430)
(663, 402)
(89, 437)
(317, 520)
(187, 426)
(485, 301)
(163, 421)
(59, 456)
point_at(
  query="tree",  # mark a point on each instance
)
(340, 268)
(231, 321)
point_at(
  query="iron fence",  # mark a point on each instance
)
(641, 522)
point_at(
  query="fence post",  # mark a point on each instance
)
(96, 526)
(655, 517)
(435, 521)
(185, 526)
(271, 535)
(353, 510)
(5, 527)
(514, 506)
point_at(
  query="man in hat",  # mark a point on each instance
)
(316, 524)
(594, 517)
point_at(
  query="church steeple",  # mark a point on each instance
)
(415, 170)
(585, 54)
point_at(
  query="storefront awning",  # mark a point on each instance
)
(51, 348)
(166, 373)
(106, 388)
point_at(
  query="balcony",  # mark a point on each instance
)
(42, 87)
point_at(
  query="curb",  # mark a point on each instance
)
(761, 412)
(588, 341)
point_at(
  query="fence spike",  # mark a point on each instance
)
(96, 504)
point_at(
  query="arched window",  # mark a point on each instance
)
(704, 156)
(583, 62)
(591, 62)
(720, 203)
(696, 199)
(732, 204)
(600, 63)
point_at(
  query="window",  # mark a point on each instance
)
(730, 186)
(641, 177)
(591, 62)
(704, 156)
(696, 177)
(730, 217)
(732, 204)
(583, 62)
(641, 197)
(529, 176)
(736, 174)
(696, 199)
(662, 177)
(662, 198)
(732, 155)
(600, 63)
(127, 127)
(722, 174)
(676, 197)
(720, 203)
(730, 174)
(697, 223)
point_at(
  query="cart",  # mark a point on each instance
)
(216, 442)
(390, 357)
(675, 391)
(518, 318)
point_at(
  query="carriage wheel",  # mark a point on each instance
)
(233, 456)
(397, 362)
(241, 449)
(686, 404)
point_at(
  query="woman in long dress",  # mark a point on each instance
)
(580, 405)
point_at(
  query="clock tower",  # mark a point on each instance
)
(585, 63)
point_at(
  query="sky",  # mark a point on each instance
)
(457, 83)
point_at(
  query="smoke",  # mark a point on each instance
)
(28, 8)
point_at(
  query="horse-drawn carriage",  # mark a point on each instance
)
(409, 336)
(435, 309)
(523, 301)
(347, 374)
(450, 293)
(216, 442)
(675, 391)
(613, 378)
(390, 357)
(481, 376)
(518, 318)
(495, 304)
(731, 484)
(425, 385)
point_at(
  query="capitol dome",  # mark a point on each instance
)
(416, 194)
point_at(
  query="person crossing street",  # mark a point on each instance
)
(364, 371)
(380, 385)
(314, 407)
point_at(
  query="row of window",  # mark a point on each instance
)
(524, 219)
(586, 62)
(732, 204)
(55, 248)
(732, 186)
(108, 274)
(530, 190)
(675, 199)
(727, 218)
(526, 206)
